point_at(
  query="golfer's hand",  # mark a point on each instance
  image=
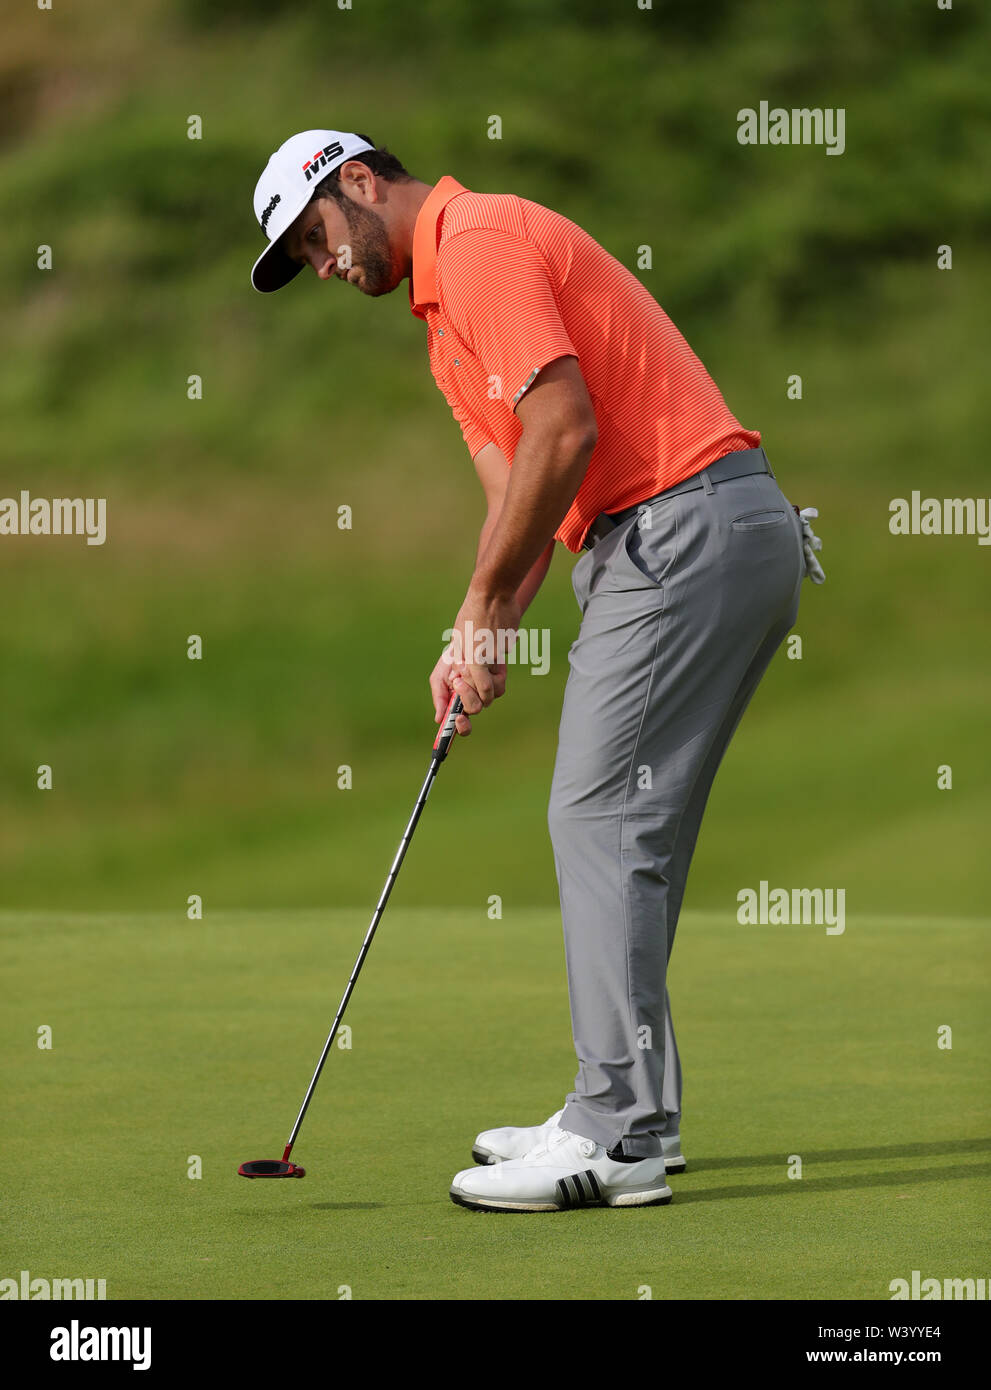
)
(441, 689)
(492, 679)
(484, 635)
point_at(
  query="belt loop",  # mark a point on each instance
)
(707, 482)
(768, 462)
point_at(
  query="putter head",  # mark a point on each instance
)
(270, 1168)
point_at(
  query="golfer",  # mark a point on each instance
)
(591, 423)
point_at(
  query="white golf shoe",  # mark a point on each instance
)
(560, 1173)
(500, 1145)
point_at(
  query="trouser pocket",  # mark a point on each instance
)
(759, 521)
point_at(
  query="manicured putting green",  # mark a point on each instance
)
(181, 1047)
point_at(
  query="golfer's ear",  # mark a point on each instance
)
(558, 401)
(360, 177)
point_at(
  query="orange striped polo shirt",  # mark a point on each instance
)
(505, 287)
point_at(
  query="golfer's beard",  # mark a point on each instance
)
(370, 252)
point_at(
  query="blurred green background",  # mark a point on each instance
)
(219, 776)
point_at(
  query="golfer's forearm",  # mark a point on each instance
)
(536, 574)
(546, 474)
(527, 590)
(488, 526)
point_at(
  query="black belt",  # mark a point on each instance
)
(739, 464)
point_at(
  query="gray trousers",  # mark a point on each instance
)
(680, 619)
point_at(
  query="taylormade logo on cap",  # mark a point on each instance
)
(269, 210)
(285, 188)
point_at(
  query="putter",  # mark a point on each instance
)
(282, 1168)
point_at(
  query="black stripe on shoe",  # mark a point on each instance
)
(589, 1180)
(578, 1190)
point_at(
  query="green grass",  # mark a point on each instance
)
(175, 1038)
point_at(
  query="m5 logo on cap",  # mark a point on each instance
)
(320, 158)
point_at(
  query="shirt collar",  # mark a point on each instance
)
(426, 233)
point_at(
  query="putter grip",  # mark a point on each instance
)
(446, 732)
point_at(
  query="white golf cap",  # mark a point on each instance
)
(286, 187)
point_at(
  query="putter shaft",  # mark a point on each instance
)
(442, 744)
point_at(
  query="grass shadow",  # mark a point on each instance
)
(935, 1149)
(346, 1206)
(910, 1177)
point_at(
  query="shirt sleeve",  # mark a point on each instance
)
(497, 294)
